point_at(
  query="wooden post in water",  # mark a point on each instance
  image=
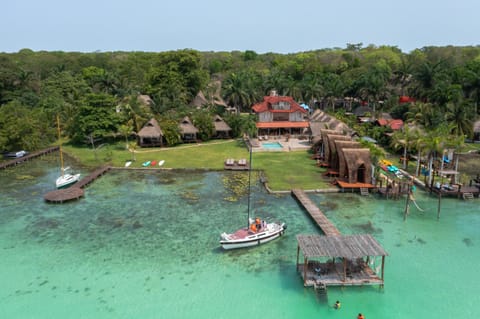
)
(407, 206)
(439, 203)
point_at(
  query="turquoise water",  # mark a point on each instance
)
(145, 245)
(273, 146)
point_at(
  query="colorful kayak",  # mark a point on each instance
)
(153, 163)
(161, 162)
(146, 164)
(128, 163)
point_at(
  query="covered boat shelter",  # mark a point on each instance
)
(350, 260)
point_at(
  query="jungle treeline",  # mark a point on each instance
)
(96, 95)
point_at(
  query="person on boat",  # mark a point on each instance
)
(253, 228)
(258, 224)
(337, 305)
(360, 316)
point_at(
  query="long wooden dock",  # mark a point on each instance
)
(322, 221)
(75, 191)
(20, 160)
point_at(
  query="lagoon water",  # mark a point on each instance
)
(145, 245)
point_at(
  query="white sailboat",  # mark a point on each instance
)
(257, 231)
(66, 179)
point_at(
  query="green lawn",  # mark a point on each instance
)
(284, 170)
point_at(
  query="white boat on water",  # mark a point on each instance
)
(66, 179)
(252, 236)
(257, 231)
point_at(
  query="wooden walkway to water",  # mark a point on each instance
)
(20, 160)
(322, 221)
(75, 191)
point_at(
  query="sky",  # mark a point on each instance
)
(279, 26)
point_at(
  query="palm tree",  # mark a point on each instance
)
(459, 115)
(404, 138)
(235, 91)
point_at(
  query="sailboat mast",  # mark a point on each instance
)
(60, 143)
(249, 185)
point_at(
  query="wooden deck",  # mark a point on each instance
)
(20, 160)
(475, 191)
(75, 191)
(353, 186)
(333, 275)
(322, 221)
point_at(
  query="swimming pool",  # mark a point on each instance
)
(272, 146)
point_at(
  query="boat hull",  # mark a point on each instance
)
(252, 240)
(67, 180)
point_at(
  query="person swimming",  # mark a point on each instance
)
(360, 316)
(337, 305)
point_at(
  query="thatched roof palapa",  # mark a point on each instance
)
(340, 147)
(350, 246)
(357, 158)
(220, 124)
(331, 155)
(151, 129)
(186, 126)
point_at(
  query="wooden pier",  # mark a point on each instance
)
(20, 160)
(322, 221)
(75, 191)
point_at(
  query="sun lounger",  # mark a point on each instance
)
(229, 161)
(242, 162)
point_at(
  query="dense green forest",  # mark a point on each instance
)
(96, 94)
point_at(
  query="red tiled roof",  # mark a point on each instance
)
(282, 124)
(396, 124)
(405, 99)
(393, 124)
(269, 100)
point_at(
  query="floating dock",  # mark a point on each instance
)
(76, 190)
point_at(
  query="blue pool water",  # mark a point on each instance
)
(273, 146)
(144, 244)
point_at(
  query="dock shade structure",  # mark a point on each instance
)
(345, 260)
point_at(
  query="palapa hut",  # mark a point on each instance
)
(340, 145)
(150, 135)
(222, 130)
(320, 121)
(358, 165)
(320, 144)
(188, 132)
(340, 260)
(331, 153)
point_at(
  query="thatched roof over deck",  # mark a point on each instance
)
(350, 246)
(321, 120)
